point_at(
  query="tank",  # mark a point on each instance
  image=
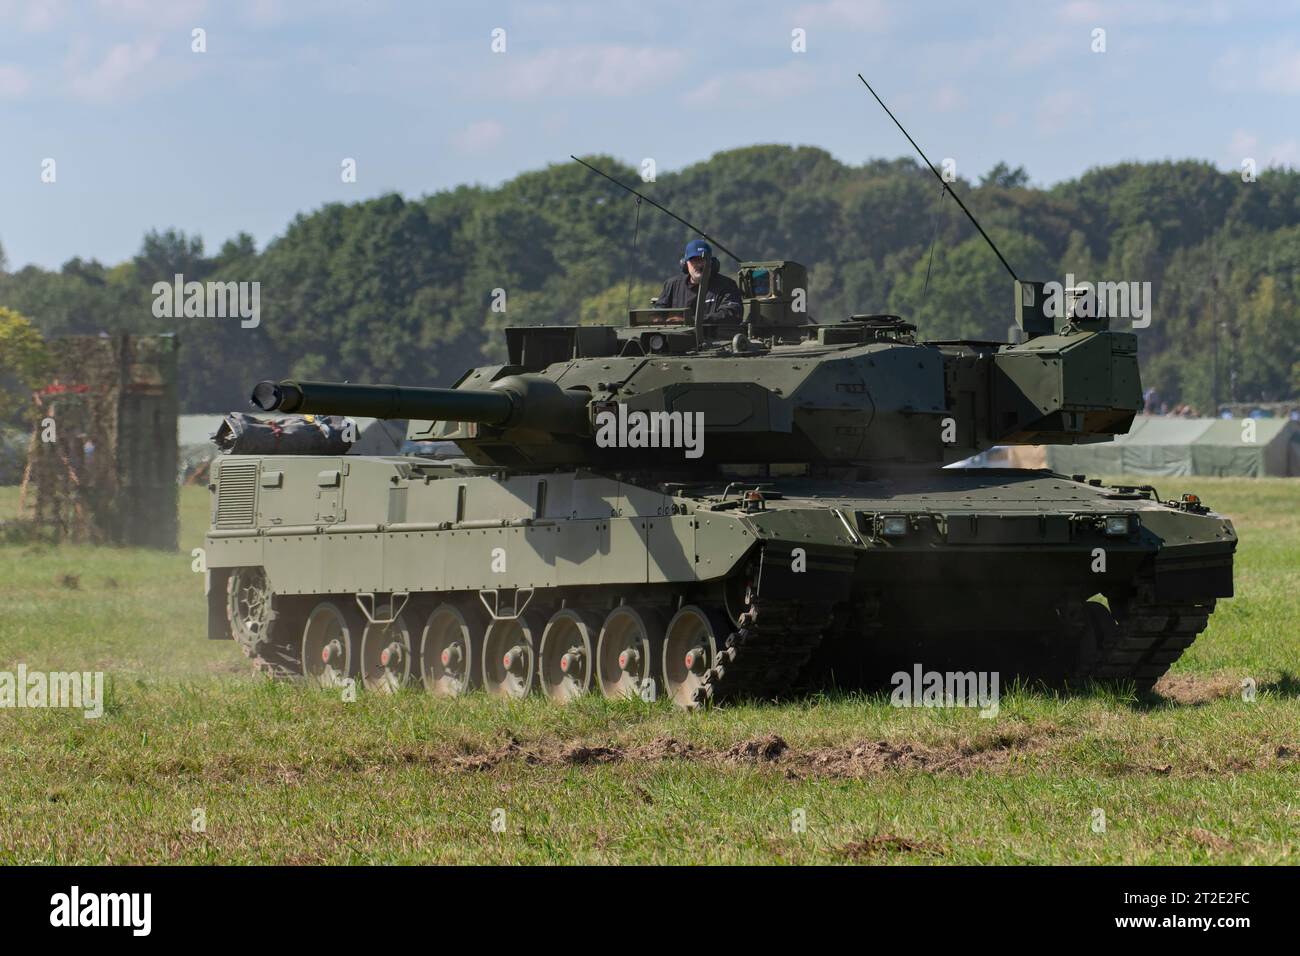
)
(707, 512)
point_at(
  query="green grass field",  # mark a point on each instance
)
(284, 773)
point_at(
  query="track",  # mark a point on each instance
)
(764, 656)
(1138, 639)
(1144, 641)
(275, 660)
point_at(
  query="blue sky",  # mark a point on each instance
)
(146, 133)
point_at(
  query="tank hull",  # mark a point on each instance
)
(798, 581)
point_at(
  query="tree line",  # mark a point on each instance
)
(412, 290)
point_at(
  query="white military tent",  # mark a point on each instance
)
(1165, 445)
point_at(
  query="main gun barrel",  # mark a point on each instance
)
(384, 401)
(516, 401)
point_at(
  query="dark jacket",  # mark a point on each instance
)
(721, 303)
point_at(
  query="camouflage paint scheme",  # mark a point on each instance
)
(814, 434)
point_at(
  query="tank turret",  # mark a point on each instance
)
(861, 392)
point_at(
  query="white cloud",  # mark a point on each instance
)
(266, 12)
(39, 17)
(1284, 154)
(154, 13)
(1156, 12)
(14, 82)
(573, 11)
(1245, 145)
(1274, 68)
(31, 17)
(587, 71)
(862, 14)
(110, 77)
(948, 98)
(1064, 109)
(1279, 70)
(771, 84)
(479, 136)
(1032, 52)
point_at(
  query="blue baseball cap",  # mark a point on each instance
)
(697, 247)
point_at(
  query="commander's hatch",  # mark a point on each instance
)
(640, 318)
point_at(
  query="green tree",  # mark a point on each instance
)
(610, 307)
(24, 364)
(1005, 177)
(969, 294)
(400, 290)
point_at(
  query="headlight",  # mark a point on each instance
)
(893, 526)
(1116, 526)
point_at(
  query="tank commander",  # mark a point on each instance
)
(721, 299)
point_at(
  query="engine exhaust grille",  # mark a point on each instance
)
(236, 494)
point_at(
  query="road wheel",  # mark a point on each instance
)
(449, 650)
(387, 652)
(690, 648)
(330, 639)
(628, 653)
(566, 659)
(510, 656)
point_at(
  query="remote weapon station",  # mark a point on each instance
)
(708, 511)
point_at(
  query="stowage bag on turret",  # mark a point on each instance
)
(241, 434)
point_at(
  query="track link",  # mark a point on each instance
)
(764, 656)
(1146, 640)
(276, 661)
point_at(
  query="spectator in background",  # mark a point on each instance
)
(1149, 399)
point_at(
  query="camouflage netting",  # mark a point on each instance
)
(103, 459)
(241, 434)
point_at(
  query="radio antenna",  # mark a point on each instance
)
(664, 209)
(946, 185)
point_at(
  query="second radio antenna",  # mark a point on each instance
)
(946, 184)
(664, 209)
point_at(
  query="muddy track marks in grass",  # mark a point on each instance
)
(1043, 746)
(769, 750)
